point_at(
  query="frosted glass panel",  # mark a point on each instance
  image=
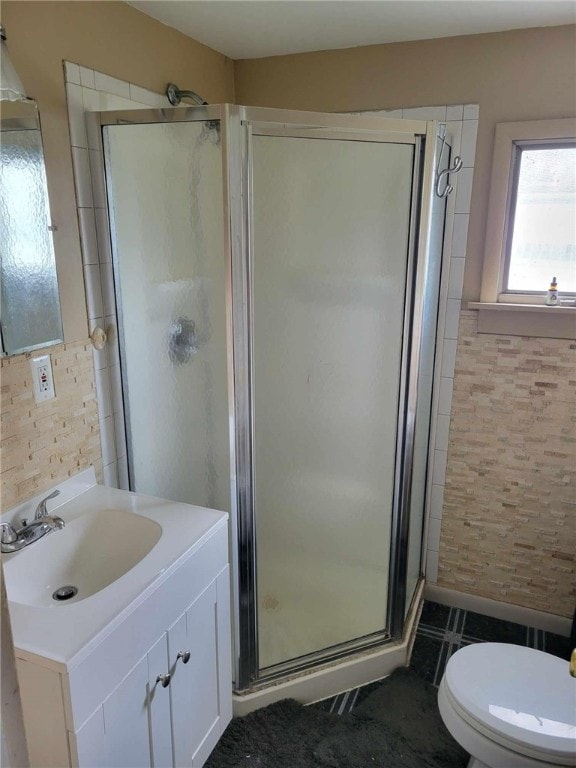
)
(331, 222)
(165, 183)
(432, 273)
(29, 287)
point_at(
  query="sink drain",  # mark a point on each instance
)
(65, 593)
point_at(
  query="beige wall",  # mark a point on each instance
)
(44, 443)
(117, 40)
(509, 520)
(520, 75)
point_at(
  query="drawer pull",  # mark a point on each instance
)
(184, 655)
(164, 679)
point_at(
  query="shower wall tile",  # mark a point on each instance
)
(108, 298)
(72, 73)
(97, 176)
(431, 565)
(454, 129)
(460, 235)
(471, 111)
(436, 501)
(445, 395)
(103, 235)
(95, 91)
(468, 144)
(105, 398)
(455, 112)
(456, 277)
(147, 97)
(93, 291)
(112, 346)
(100, 356)
(111, 475)
(111, 85)
(82, 178)
(87, 77)
(439, 467)
(434, 526)
(448, 357)
(452, 318)
(425, 113)
(78, 136)
(123, 481)
(463, 190)
(107, 439)
(442, 429)
(88, 235)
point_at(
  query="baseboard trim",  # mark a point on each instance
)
(548, 622)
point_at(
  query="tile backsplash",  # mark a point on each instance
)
(44, 444)
(508, 528)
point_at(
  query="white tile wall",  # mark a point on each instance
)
(86, 91)
(462, 125)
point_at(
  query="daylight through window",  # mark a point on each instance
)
(542, 219)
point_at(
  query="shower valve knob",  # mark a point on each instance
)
(184, 655)
(164, 679)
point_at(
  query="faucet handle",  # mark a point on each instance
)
(41, 510)
(8, 535)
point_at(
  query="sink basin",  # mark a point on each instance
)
(90, 553)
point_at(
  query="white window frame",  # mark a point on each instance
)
(508, 136)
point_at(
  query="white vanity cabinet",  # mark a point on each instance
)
(156, 690)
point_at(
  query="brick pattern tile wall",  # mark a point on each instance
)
(46, 443)
(509, 518)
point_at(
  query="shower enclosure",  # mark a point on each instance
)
(277, 279)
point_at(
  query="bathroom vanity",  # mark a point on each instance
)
(136, 672)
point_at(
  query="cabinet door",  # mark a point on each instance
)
(201, 688)
(126, 721)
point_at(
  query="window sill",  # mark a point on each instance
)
(526, 319)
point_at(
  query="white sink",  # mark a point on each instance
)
(90, 553)
(117, 548)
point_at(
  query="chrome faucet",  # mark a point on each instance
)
(13, 539)
(41, 510)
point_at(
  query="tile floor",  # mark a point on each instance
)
(441, 632)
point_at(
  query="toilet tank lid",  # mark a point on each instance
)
(525, 695)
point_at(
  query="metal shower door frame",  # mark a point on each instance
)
(244, 124)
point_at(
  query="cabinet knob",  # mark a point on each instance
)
(164, 679)
(184, 655)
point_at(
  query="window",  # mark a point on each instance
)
(541, 222)
(531, 225)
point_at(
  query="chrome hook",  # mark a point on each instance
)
(454, 169)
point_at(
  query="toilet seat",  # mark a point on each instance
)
(520, 698)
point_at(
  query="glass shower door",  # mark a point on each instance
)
(331, 232)
(165, 185)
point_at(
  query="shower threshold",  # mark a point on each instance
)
(330, 679)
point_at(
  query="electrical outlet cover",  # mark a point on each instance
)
(42, 379)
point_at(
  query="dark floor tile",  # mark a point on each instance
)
(434, 615)
(365, 691)
(424, 659)
(479, 627)
(557, 645)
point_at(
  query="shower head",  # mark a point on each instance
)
(175, 96)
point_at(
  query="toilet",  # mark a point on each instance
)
(510, 707)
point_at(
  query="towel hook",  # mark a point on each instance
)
(446, 172)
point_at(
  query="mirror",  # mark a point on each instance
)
(29, 300)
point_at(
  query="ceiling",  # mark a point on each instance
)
(248, 29)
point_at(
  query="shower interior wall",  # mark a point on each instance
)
(461, 122)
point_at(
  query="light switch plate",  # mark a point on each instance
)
(42, 379)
